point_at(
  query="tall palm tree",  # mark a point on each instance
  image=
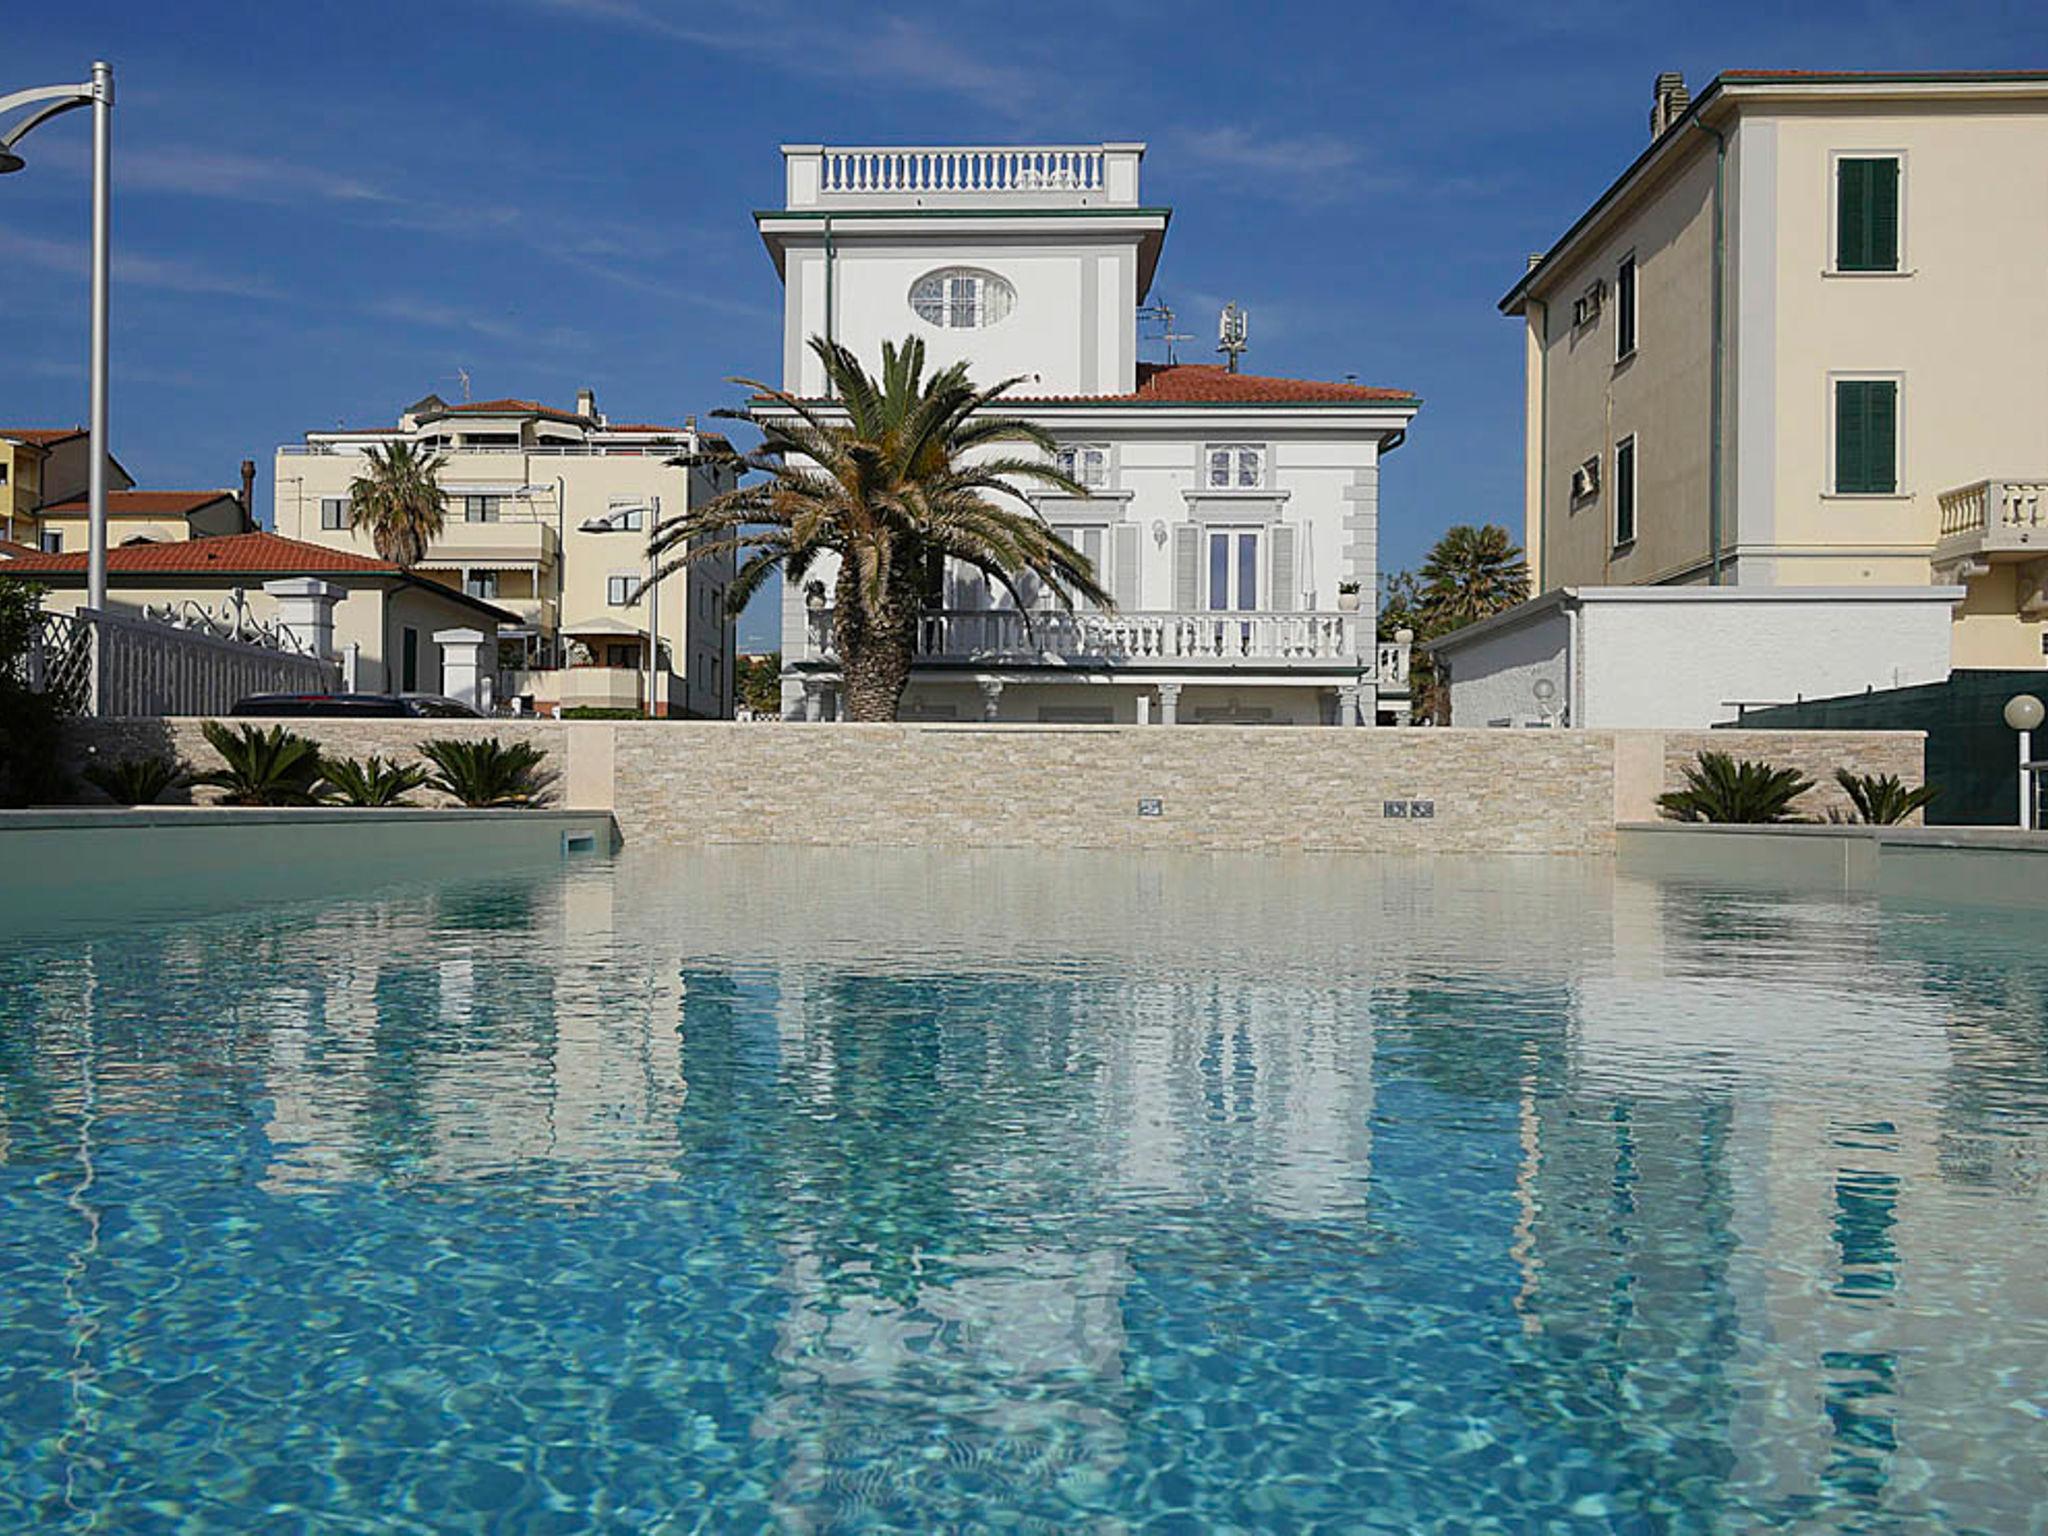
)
(899, 473)
(399, 500)
(1471, 574)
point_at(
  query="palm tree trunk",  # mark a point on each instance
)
(875, 652)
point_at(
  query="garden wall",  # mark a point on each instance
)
(1216, 787)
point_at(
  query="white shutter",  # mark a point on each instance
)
(1187, 568)
(1280, 583)
(1124, 568)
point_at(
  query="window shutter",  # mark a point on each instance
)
(1187, 567)
(1881, 435)
(1124, 567)
(1280, 569)
(1851, 438)
(1852, 214)
(1884, 215)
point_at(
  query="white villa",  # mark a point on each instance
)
(1234, 518)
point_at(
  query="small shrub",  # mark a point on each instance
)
(1882, 799)
(598, 712)
(373, 781)
(1719, 789)
(488, 772)
(263, 767)
(135, 780)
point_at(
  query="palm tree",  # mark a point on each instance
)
(399, 500)
(1471, 574)
(893, 478)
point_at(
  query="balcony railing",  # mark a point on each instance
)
(539, 451)
(1005, 636)
(1999, 514)
(911, 175)
(1076, 168)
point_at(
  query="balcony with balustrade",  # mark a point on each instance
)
(1992, 522)
(1308, 647)
(828, 177)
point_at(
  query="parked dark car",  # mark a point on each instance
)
(355, 706)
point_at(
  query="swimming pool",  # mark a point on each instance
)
(821, 1191)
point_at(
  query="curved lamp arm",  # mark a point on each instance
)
(62, 99)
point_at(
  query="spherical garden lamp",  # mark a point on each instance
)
(2024, 712)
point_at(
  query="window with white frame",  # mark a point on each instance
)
(1625, 308)
(1625, 491)
(1234, 466)
(621, 591)
(333, 513)
(1091, 540)
(483, 584)
(962, 298)
(1084, 463)
(51, 541)
(482, 509)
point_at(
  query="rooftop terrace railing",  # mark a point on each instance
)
(909, 175)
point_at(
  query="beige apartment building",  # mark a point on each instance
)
(1797, 344)
(548, 512)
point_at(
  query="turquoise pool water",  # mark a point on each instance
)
(819, 1192)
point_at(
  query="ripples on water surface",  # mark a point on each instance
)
(823, 1192)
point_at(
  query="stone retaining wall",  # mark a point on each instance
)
(1272, 788)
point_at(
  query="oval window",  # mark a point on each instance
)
(961, 298)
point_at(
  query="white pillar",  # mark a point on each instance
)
(814, 701)
(1169, 703)
(305, 607)
(991, 698)
(462, 664)
(1347, 704)
(1144, 708)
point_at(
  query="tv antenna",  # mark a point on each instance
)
(1233, 333)
(1160, 313)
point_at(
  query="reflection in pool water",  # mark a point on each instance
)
(731, 1191)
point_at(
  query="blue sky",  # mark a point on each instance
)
(323, 211)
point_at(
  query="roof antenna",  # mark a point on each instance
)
(1160, 313)
(463, 374)
(1233, 333)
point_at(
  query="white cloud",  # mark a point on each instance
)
(171, 273)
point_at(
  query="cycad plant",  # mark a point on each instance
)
(399, 501)
(371, 781)
(1719, 789)
(487, 771)
(898, 474)
(1882, 799)
(135, 780)
(271, 766)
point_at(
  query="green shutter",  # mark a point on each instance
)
(1866, 437)
(1867, 215)
(1881, 415)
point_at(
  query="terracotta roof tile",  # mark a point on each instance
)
(1213, 384)
(252, 554)
(42, 437)
(146, 503)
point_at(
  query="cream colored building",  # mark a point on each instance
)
(547, 516)
(1795, 344)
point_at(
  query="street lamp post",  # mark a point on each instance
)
(2023, 712)
(51, 101)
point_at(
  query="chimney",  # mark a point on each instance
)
(249, 492)
(586, 403)
(1668, 102)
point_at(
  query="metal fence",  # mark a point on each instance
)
(113, 665)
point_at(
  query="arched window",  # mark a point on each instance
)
(961, 298)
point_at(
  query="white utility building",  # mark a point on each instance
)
(1678, 658)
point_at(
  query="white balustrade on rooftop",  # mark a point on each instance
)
(1077, 175)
